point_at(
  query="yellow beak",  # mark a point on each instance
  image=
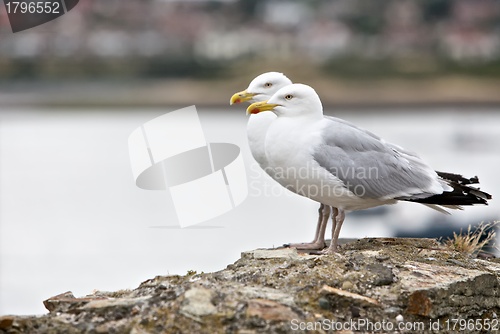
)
(258, 107)
(242, 96)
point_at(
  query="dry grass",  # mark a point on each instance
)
(472, 241)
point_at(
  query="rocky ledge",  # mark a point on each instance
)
(384, 285)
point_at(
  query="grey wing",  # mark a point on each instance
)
(372, 168)
(374, 136)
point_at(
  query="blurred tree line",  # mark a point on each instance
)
(206, 39)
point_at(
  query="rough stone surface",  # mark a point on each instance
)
(198, 302)
(273, 291)
(349, 298)
(6, 322)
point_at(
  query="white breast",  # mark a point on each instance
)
(256, 132)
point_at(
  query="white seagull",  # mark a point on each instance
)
(261, 89)
(340, 165)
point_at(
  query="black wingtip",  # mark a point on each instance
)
(458, 178)
(462, 193)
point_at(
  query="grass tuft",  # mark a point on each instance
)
(472, 241)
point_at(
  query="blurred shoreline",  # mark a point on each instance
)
(334, 93)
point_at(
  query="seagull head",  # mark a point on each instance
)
(261, 88)
(291, 101)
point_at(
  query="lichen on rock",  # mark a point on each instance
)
(280, 290)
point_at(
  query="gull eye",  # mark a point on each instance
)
(268, 84)
(288, 96)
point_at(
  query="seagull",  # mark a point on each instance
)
(340, 165)
(260, 89)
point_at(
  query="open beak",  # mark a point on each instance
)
(240, 97)
(258, 107)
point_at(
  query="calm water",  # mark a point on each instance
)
(71, 217)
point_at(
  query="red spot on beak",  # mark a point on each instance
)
(237, 100)
(254, 111)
